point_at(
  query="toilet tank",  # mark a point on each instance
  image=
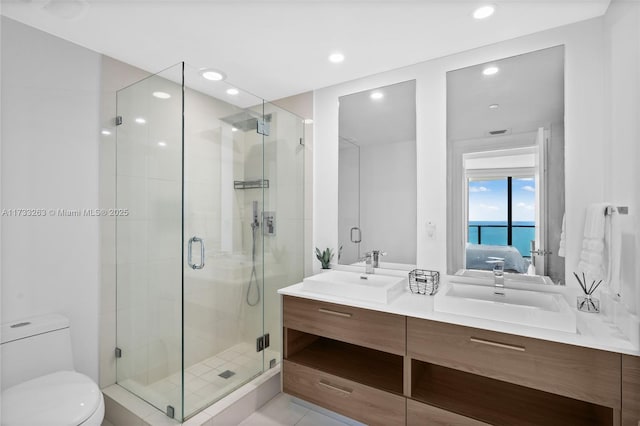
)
(33, 347)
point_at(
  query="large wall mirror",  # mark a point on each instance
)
(505, 165)
(377, 175)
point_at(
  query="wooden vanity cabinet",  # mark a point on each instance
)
(630, 390)
(346, 359)
(387, 369)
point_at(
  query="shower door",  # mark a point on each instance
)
(223, 274)
(148, 239)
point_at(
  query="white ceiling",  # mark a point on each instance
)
(529, 90)
(277, 48)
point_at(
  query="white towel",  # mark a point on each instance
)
(592, 254)
(562, 237)
(601, 247)
(613, 239)
(594, 223)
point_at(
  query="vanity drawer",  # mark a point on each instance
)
(419, 414)
(376, 330)
(359, 402)
(580, 373)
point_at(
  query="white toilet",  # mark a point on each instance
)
(39, 384)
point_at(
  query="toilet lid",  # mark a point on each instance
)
(63, 398)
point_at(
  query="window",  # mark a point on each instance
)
(501, 210)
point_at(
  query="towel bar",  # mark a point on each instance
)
(620, 209)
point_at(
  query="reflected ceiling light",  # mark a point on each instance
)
(308, 121)
(233, 91)
(161, 95)
(140, 120)
(494, 106)
(162, 143)
(490, 70)
(336, 57)
(233, 129)
(213, 75)
(105, 132)
(376, 95)
(484, 12)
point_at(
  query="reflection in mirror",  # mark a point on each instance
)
(505, 155)
(377, 175)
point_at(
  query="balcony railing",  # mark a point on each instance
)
(492, 236)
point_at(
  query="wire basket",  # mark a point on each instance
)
(423, 281)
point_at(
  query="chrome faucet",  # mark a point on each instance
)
(368, 262)
(372, 260)
(498, 277)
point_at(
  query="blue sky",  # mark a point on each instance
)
(488, 200)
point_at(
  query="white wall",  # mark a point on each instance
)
(50, 134)
(622, 134)
(583, 121)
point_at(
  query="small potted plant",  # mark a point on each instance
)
(324, 257)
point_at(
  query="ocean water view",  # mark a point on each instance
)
(495, 233)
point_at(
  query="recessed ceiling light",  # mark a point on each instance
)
(161, 95)
(105, 132)
(376, 95)
(336, 57)
(233, 129)
(162, 143)
(494, 106)
(233, 91)
(140, 120)
(308, 121)
(213, 75)
(490, 70)
(484, 12)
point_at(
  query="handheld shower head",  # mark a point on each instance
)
(256, 222)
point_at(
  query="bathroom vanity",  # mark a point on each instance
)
(402, 363)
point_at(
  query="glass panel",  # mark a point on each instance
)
(283, 221)
(223, 205)
(148, 240)
(488, 212)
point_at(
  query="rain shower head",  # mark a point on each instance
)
(245, 120)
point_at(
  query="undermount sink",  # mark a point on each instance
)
(532, 308)
(367, 287)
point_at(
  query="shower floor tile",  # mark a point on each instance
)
(202, 381)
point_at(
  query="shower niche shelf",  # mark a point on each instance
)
(251, 184)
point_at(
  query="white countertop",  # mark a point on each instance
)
(593, 329)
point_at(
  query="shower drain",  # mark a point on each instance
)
(226, 374)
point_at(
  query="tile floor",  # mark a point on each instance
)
(202, 381)
(283, 411)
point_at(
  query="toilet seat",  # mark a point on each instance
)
(63, 398)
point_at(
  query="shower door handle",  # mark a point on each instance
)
(190, 253)
(357, 239)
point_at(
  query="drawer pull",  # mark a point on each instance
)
(497, 344)
(335, 388)
(336, 313)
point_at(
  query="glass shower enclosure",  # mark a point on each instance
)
(212, 180)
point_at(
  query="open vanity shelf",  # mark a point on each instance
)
(387, 369)
(496, 402)
(369, 367)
